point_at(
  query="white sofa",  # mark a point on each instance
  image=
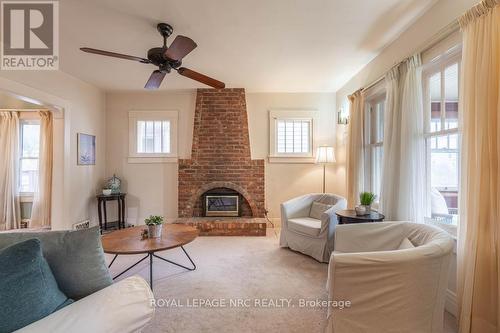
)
(393, 285)
(308, 235)
(123, 307)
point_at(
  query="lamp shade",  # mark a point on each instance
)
(325, 154)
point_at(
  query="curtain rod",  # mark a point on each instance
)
(436, 39)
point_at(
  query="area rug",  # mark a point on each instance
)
(241, 284)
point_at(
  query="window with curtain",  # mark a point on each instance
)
(374, 136)
(441, 95)
(29, 155)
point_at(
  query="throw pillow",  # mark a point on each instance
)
(28, 289)
(317, 209)
(406, 244)
(75, 257)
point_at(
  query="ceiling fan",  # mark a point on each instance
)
(166, 58)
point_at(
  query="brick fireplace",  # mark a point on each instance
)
(221, 162)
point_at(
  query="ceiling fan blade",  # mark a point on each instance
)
(155, 79)
(115, 55)
(201, 78)
(180, 47)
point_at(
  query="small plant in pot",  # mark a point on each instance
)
(366, 199)
(154, 223)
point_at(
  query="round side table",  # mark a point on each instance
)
(349, 216)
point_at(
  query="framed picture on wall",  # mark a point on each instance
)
(86, 149)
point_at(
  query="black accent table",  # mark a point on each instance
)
(349, 216)
(101, 201)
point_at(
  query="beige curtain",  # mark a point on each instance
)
(9, 156)
(40, 215)
(355, 148)
(479, 230)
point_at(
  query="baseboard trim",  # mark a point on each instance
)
(451, 304)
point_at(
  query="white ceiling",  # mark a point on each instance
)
(260, 45)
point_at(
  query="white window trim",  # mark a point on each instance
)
(439, 64)
(169, 115)
(374, 96)
(274, 116)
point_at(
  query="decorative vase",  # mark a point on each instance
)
(154, 230)
(114, 183)
(362, 210)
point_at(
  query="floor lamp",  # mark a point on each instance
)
(325, 155)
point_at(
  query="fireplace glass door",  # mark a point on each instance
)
(221, 205)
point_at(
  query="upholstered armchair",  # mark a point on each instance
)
(308, 224)
(394, 274)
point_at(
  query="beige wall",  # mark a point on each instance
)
(152, 188)
(286, 181)
(75, 186)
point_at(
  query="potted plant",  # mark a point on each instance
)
(366, 199)
(154, 223)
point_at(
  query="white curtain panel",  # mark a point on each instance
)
(403, 172)
(40, 215)
(355, 149)
(9, 156)
(479, 229)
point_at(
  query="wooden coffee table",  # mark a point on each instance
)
(128, 241)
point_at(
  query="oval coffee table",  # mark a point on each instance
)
(128, 241)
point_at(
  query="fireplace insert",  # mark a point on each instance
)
(222, 205)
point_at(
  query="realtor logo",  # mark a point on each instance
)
(30, 35)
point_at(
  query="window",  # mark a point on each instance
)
(374, 136)
(153, 136)
(441, 96)
(291, 136)
(28, 158)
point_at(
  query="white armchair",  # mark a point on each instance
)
(303, 233)
(394, 274)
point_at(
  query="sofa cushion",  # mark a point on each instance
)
(317, 209)
(28, 289)
(305, 225)
(406, 244)
(75, 257)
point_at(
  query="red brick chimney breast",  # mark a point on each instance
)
(220, 155)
